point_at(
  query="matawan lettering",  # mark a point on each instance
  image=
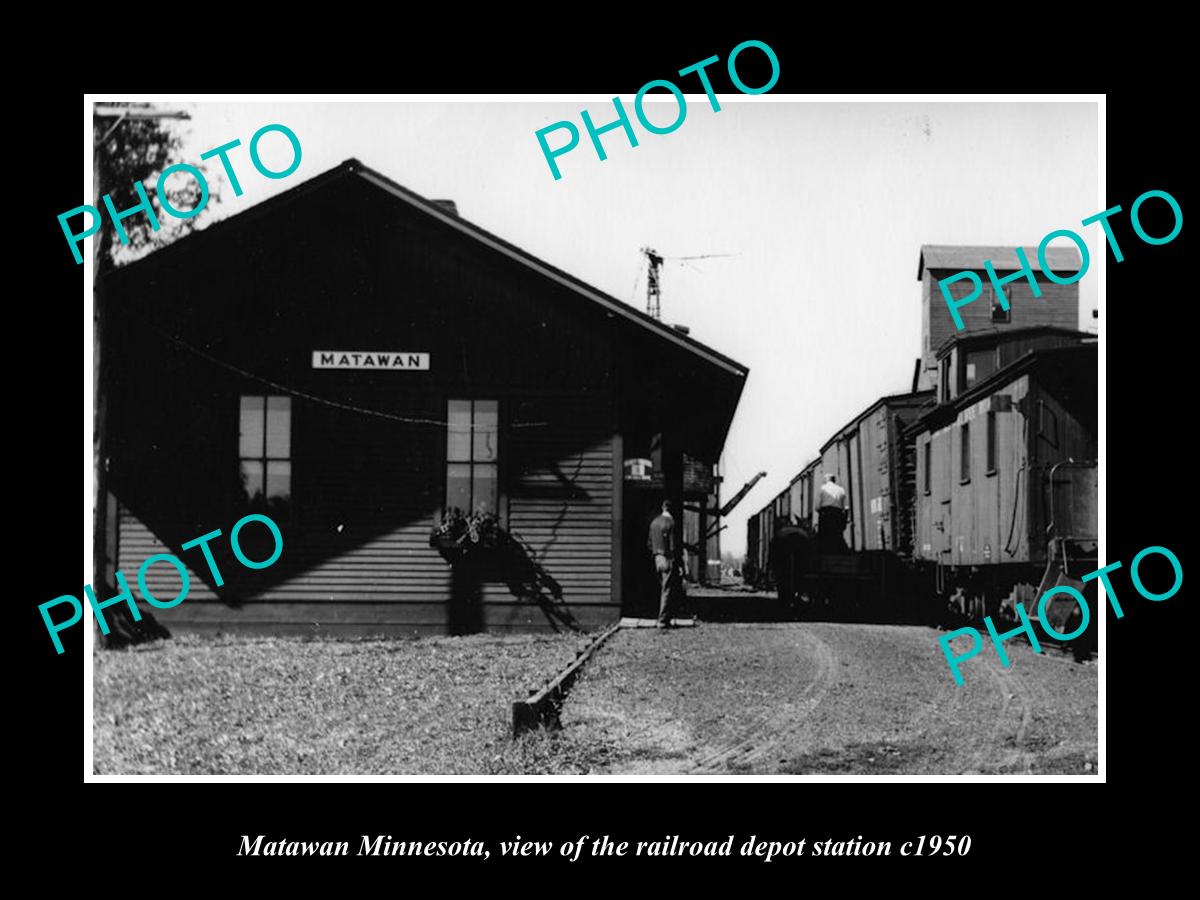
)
(292, 848)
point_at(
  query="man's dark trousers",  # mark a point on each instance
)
(666, 578)
(831, 522)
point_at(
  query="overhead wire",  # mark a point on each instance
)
(324, 401)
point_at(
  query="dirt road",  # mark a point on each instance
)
(804, 698)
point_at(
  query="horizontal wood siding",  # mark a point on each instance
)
(366, 494)
(560, 501)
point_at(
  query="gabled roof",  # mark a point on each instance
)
(1063, 260)
(352, 168)
(1000, 335)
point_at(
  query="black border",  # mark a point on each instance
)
(1021, 830)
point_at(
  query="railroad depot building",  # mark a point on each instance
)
(354, 360)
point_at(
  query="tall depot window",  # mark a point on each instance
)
(265, 449)
(473, 456)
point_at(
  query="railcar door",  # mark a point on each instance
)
(944, 526)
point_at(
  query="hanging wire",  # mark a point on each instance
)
(294, 392)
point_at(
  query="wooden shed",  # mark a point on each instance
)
(354, 360)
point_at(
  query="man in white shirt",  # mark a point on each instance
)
(831, 514)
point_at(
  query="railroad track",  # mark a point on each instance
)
(1011, 724)
(772, 730)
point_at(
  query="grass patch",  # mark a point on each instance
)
(231, 705)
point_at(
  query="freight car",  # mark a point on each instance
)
(871, 460)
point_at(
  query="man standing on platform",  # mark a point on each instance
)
(662, 546)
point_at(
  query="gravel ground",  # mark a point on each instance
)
(794, 698)
(820, 698)
(277, 706)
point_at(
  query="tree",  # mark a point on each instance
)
(132, 143)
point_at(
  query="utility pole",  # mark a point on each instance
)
(654, 264)
(104, 518)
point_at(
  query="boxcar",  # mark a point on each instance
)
(871, 461)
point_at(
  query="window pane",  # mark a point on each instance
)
(484, 489)
(252, 477)
(279, 479)
(251, 442)
(279, 427)
(458, 487)
(966, 452)
(487, 421)
(458, 436)
(980, 365)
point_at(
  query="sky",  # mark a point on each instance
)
(822, 208)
